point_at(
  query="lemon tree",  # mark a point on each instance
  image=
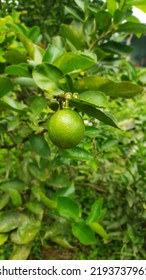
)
(39, 184)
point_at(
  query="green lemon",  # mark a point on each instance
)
(66, 128)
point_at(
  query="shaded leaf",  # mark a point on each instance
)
(15, 57)
(6, 86)
(13, 184)
(15, 197)
(40, 146)
(18, 70)
(76, 153)
(38, 104)
(4, 199)
(10, 220)
(132, 27)
(94, 112)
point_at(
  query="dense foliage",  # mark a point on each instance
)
(94, 194)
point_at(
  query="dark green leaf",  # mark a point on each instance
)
(4, 199)
(68, 208)
(83, 233)
(13, 184)
(94, 112)
(40, 146)
(6, 86)
(117, 47)
(15, 197)
(132, 27)
(103, 20)
(38, 104)
(15, 57)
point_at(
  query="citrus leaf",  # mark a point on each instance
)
(13, 184)
(132, 27)
(68, 208)
(15, 197)
(76, 153)
(96, 98)
(40, 146)
(96, 212)
(15, 57)
(51, 53)
(21, 252)
(74, 62)
(62, 241)
(35, 207)
(123, 89)
(38, 104)
(38, 193)
(117, 47)
(18, 70)
(4, 199)
(73, 35)
(6, 86)
(27, 231)
(83, 233)
(10, 220)
(94, 112)
(3, 238)
(46, 77)
(99, 229)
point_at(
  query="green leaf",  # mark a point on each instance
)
(10, 220)
(27, 231)
(20, 70)
(117, 47)
(35, 207)
(20, 252)
(68, 191)
(62, 241)
(38, 104)
(46, 77)
(15, 197)
(103, 20)
(38, 193)
(94, 112)
(123, 89)
(73, 35)
(18, 106)
(28, 44)
(74, 62)
(4, 199)
(132, 27)
(68, 208)
(6, 86)
(15, 57)
(74, 13)
(112, 6)
(96, 212)
(25, 81)
(51, 53)
(76, 153)
(96, 98)
(13, 184)
(99, 229)
(3, 238)
(83, 233)
(40, 146)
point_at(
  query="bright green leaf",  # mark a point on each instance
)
(3, 238)
(83, 233)
(96, 212)
(73, 35)
(96, 98)
(21, 252)
(51, 53)
(99, 229)
(10, 220)
(77, 154)
(68, 208)
(15, 197)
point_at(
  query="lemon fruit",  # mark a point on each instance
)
(66, 128)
